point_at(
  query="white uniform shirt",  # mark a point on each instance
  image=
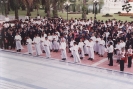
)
(81, 44)
(63, 45)
(118, 47)
(98, 40)
(50, 38)
(36, 40)
(46, 42)
(102, 42)
(29, 41)
(110, 49)
(123, 44)
(93, 38)
(18, 37)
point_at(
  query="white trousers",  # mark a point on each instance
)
(91, 52)
(101, 49)
(18, 45)
(76, 57)
(38, 49)
(47, 51)
(63, 54)
(29, 47)
(85, 49)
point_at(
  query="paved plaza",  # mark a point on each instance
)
(22, 71)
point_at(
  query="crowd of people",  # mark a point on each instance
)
(82, 37)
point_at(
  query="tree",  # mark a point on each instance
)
(14, 5)
(127, 7)
(84, 9)
(37, 5)
(28, 4)
(55, 4)
(47, 4)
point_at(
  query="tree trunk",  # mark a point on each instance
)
(47, 6)
(23, 7)
(84, 10)
(55, 13)
(16, 13)
(28, 8)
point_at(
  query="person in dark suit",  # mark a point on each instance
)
(5, 40)
(1, 44)
(11, 40)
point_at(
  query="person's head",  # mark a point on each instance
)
(81, 40)
(90, 39)
(130, 46)
(111, 43)
(75, 43)
(46, 38)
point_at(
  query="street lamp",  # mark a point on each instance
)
(67, 4)
(4, 3)
(1, 3)
(95, 3)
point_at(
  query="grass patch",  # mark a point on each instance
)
(64, 15)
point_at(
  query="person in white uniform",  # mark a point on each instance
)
(85, 47)
(36, 41)
(55, 43)
(50, 39)
(42, 40)
(118, 50)
(75, 49)
(71, 45)
(18, 42)
(96, 46)
(46, 47)
(63, 49)
(101, 47)
(90, 46)
(29, 45)
(81, 44)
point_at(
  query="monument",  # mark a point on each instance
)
(114, 6)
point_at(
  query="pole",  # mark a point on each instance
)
(67, 12)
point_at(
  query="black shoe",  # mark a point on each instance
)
(110, 65)
(86, 54)
(81, 57)
(71, 56)
(19, 50)
(43, 51)
(64, 59)
(89, 58)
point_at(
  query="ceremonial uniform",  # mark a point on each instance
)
(29, 46)
(101, 47)
(85, 47)
(118, 49)
(46, 48)
(81, 44)
(63, 50)
(90, 46)
(18, 43)
(36, 41)
(74, 50)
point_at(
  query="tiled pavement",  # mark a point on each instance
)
(98, 61)
(18, 71)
